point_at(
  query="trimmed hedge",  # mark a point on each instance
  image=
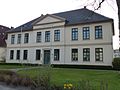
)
(116, 63)
(82, 66)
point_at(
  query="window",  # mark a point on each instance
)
(74, 54)
(57, 35)
(38, 39)
(56, 54)
(74, 33)
(19, 39)
(47, 36)
(98, 32)
(26, 37)
(86, 54)
(99, 54)
(11, 54)
(38, 52)
(86, 33)
(25, 54)
(18, 55)
(12, 39)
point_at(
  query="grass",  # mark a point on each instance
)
(61, 76)
(4, 66)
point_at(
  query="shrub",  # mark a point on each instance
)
(26, 81)
(116, 63)
(7, 79)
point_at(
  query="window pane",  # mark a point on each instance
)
(47, 36)
(86, 33)
(57, 35)
(18, 55)
(98, 32)
(99, 54)
(26, 37)
(86, 54)
(56, 54)
(74, 33)
(25, 54)
(74, 54)
(38, 39)
(11, 54)
(19, 39)
(38, 52)
(12, 39)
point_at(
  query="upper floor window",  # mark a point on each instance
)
(99, 54)
(47, 36)
(57, 35)
(25, 54)
(19, 39)
(38, 52)
(26, 38)
(98, 32)
(74, 33)
(56, 54)
(86, 33)
(18, 55)
(86, 54)
(74, 54)
(38, 39)
(12, 39)
(11, 54)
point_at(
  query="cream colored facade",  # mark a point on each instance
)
(65, 45)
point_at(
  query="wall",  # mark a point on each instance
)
(66, 44)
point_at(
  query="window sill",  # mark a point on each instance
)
(37, 60)
(75, 40)
(86, 61)
(98, 38)
(57, 41)
(85, 39)
(74, 60)
(56, 60)
(25, 59)
(99, 61)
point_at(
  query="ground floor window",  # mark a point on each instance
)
(38, 52)
(18, 55)
(25, 54)
(56, 54)
(11, 54)
(99, 54)
(74, 54)
(86, 54)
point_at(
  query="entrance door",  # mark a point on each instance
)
(46, 56)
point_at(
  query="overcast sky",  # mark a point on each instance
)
(17, 12)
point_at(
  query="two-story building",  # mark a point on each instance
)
(77, 37)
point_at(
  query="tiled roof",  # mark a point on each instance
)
(79, 16)
(3, 35)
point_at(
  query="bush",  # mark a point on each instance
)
(116, 63)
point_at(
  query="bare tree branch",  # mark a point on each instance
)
(99, 6)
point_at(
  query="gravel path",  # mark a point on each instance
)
(5, 87)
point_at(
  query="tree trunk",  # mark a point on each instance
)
(118, 4)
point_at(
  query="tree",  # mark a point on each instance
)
(118, 5)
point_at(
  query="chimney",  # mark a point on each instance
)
(85, 7)
(12, 28)
(42, 15)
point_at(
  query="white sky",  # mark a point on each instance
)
(17, 12)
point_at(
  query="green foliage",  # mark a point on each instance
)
(116, 63)
(92, 78)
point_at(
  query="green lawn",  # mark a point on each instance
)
(2, 66)
(60, 76)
